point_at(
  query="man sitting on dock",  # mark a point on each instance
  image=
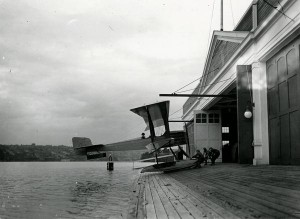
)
(200, 159)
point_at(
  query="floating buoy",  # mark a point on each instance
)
(110, 163)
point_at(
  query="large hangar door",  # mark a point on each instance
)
(283, 105)
(208, 130)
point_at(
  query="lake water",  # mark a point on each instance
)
(65, 189)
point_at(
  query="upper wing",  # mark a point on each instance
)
(157, 112)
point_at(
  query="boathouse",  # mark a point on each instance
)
(254, 71)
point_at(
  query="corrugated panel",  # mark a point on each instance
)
(223, 52)
(264, 9)
(246, 23)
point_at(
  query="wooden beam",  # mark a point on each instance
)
(196, 95)
(179, 120)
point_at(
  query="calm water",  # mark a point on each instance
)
(65, 189)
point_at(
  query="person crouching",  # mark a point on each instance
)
(200, 159)
(213, 154)
(205, 154)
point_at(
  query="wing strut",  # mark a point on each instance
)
(152, 132)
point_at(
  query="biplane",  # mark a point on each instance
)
(155, 115)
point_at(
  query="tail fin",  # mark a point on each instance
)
(79, 142)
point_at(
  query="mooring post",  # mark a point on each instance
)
(110, 163)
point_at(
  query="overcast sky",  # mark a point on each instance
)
(76, 67)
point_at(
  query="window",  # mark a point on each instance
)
(201, 118)
(225, 142)
(213, 118)
(225, 129)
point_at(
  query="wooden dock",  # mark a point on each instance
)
(220, 191)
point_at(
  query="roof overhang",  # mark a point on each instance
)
(230, 36)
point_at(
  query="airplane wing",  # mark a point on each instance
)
(154, 115)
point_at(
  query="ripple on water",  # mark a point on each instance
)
(64, 190)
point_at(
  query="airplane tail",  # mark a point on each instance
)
(79, 142)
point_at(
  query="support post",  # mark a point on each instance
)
(221, 28)
(245, 125)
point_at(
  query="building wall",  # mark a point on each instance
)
(261, 44)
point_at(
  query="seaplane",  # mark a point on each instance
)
(155, 115)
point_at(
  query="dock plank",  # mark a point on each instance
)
(182, 197)
(158, 204)
(288, 196)
(204, 208)
(229, 197)
(170, 209)
(222, 205)
(136, 203)
(220, 191)
(267, 199)
(269, 207)
(149, 204)
(174, 200)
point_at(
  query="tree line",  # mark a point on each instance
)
(38, 153)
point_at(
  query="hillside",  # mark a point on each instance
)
(63, 153)
(38, 153)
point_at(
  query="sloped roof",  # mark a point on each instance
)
(225, 43)
(222, 47)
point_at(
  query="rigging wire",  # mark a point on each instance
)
(203, 98)
(188, 84)
(233, 21)
(207, 85)
(196, 79)
(176, 111)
